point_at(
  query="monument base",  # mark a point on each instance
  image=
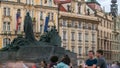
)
(37, 54)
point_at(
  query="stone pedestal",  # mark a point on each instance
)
(37, 54)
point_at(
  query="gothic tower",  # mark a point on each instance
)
(114, 8)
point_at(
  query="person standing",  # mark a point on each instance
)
(53, 60)
(101, 62)
(43, 64)
(64, 63)
(115, 65)
(92, 61)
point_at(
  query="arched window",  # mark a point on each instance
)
(6, 41)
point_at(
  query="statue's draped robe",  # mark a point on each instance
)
(28, 28)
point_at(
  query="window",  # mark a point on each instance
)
(41, 15)
(93, 26)
(93, 38)
(86, 37)
(45, 1)
(86, 26)
(6, 26)
(41, 28)
(6, 11)
(51, 15)
(80, 37)
(79, 25)
(27, 1)
(64, 23)
(30, 2)
(104, 23)
(6, 41)
(104, 34)
(101, 34)
(73, 49)
(64, 35)
(107, 25)
(19, 11)
(41, 2)
(73, 36)
(80, 51)
(73, 23)
(50, 2)
(31, 13)
(86, 51)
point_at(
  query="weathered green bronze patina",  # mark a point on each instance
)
(27, 48)
(50, 37)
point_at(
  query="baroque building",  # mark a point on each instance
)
(82, 25)
(78, 30)
(12, 13)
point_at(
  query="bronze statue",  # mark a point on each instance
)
(28, 28)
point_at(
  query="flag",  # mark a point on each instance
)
(46, 24)
(62, 1)
(18, 20)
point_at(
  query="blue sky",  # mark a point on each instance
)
(106, 4)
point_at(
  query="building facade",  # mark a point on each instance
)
(106, 32)
(118, 28)
(116, 42)
(11, 25)
(78, 30)
(82, 26)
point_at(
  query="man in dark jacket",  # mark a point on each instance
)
(101, 62)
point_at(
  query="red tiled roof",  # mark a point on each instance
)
(94, 6)
(62, 9)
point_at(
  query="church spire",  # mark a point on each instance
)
(114, 8)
